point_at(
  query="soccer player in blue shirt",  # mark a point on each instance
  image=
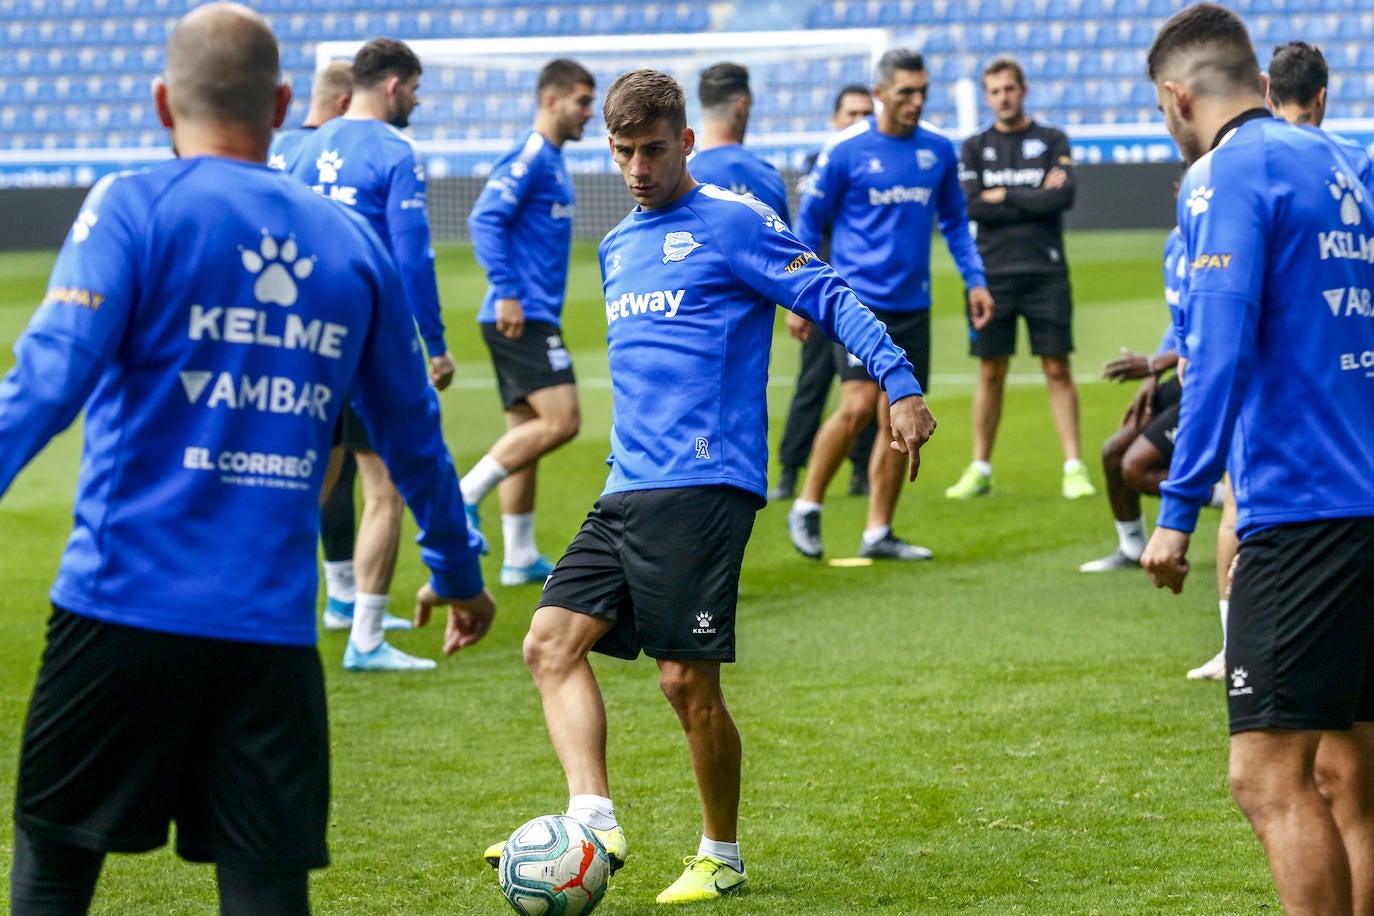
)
(1277, 390)
(364, 161)
(881, 186)
(522, 235)
(691, 278)
(720, 158)
(329, 98)
(211, 316)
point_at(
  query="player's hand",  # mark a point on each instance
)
(799, 327)
(510, 318)
(1142, 405)
(980, 307)
(468, 618)
(994, 195)
(1166, 558)
(1128, 365)
(1055, 178)
(912, 426)
(441, 371)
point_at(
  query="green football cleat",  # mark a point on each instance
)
(706, 878)
(972, 483)
(613, 841)
(1078, 484)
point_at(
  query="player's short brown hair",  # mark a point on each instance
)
(641, 98)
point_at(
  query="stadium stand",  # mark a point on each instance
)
(74, 74)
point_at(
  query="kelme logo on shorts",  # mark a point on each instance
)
(703, 627)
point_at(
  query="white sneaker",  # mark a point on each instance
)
(1212, 670)
(1117, 560)
(385, 657)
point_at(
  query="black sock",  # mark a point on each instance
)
(263, 894)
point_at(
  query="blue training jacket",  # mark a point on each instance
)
(690, 299)
(881, 197)
(522, 230)
(375, 169)
(211, 316)
(734, 168)
(1279, 331)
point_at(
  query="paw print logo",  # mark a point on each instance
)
(703, 619)
(329, 164)
(277, 267)
(774, 222)
(81, 229)
(1199, 199)
(1238, 677)
(1350, 196)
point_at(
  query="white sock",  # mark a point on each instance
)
(984, 467)
(805, 506)
(1224, 606)
(1218, 497)
(1072, 465)
(480, 481)
(367, 621)
(874, 535)
(1131, 538)
(595, 811)
(726, 852)
(518, 531)
(339, 582)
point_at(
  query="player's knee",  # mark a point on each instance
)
(1139, 468)
(564, 427)
(688, 691)
(1057, 371)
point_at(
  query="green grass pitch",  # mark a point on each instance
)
(990, 732)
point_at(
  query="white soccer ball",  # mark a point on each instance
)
(554, 866)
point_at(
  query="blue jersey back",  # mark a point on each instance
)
(734, 168)
(375, 169)
(285, 152)
(1279, 331)
(690, 298)
(212, 316)
(881, 197)
(521, 230)
(1175, 274)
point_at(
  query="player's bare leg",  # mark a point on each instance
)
(1271, 775)
(987, 405)
(1345, 778)
(1064, 408)
(693, 690)
(550, 418)
(379, 526)
(835, 438)
(556, 650)
(1228, 544)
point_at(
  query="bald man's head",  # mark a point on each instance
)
(223, 67)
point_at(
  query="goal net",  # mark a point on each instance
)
(477, 94)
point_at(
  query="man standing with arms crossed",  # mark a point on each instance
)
(522, 235)
(1018, 178)
(817, 367)
(691, 278)
(364, 161)
(211, 316)
(880, 185)
(1277, 390)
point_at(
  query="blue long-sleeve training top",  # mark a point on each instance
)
(212, 316)
(1279, 331)
(881, 197)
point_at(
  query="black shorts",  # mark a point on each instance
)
(129, 730)
(664, 566)
(910, 331)
(535, 360)
(1163, 426)
(350, 433)
(1300, 632)
(1046, 302)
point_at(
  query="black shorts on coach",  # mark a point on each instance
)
(535, 360)
(663, 565)
(1046, 302)
(1300, 631)
(129, 730)
(910, 331)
